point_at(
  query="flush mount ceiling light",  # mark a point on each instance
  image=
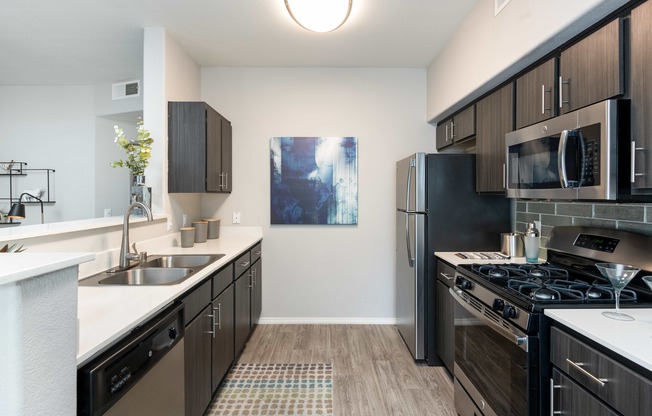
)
(319, 15)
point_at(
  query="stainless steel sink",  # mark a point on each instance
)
(147, 276)
(182, 260)
(158, 270)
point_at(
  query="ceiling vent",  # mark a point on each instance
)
(125, 90)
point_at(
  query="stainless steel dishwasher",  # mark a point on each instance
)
(143, 374)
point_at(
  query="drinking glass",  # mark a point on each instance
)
(619, 275)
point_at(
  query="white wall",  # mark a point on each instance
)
(322, 273)
(171, 75)
(51, 127)
(486, 50)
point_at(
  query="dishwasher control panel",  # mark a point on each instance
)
(106, 378)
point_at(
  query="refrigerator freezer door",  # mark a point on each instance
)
(411, 183)
(410, 281)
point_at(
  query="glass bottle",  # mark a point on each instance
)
(531, 240)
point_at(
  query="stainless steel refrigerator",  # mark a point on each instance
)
(437, 209)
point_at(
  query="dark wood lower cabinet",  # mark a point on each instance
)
(242, 311)
(223, 346)
(569, 398)
(197, 360)
(256, 292)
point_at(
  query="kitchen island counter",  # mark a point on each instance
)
(108, 312)
(630, 339)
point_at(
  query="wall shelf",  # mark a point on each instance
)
(16, 170)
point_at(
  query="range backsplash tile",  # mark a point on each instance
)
(630, 217)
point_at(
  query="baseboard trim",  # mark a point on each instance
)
(327, 321)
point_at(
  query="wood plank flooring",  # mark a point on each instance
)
(373, 372)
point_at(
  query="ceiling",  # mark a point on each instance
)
(64, 42)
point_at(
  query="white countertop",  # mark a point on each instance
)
(450, 257)
(106, 313)
(15, 267)
(630, 339)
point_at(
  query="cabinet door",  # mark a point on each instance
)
(463, 125)
(641, 96)
(227, 165)
(495, 118)
(592, 69)
(213, 150)
(571, 399)
(242, 311)
(445, 327)
(223, 346)
(535, 95)
(443, 134)
(256, 275)
(186, 147)
(197, 353)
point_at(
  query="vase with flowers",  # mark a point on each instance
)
(139, 152)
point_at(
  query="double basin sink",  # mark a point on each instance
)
(159, 270)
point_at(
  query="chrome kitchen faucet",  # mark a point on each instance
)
(125, 255)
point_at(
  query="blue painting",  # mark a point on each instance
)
(314, 180)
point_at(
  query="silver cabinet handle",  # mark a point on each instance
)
(452, 130)
(601, 381)
(447, 132)
(226, 180)
(543, 98)
(258, 253)
(252, 278)
(219, 318)
(445, 276)
(212, 316)
(634, 149)
(221, 175)
(553, 386)
(244, 264)
(561, 91)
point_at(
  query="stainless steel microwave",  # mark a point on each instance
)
(570, 157)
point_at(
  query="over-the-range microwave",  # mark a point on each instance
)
(574, 156)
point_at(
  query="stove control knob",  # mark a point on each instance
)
(465, 283)
(172, 333)
(498, 305)
(509, 312)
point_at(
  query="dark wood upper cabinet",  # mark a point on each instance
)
(199, 149)
(535, 94)
(495, 118)
(641, 96)
(457, 128)
(592, 70)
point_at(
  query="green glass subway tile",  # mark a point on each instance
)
(527, 217)
(575, 210)
(554, 220)
(546, 230)
(620, 212)
(521, 206)
(592, 222)
(648, 213)
(541, 207)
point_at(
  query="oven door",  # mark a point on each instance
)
(493, 362)
(572, 156)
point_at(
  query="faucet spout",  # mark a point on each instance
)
(125, 255)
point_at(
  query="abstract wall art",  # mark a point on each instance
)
(314, 180)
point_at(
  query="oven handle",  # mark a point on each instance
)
(518, 339)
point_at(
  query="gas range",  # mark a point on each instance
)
(500, 327)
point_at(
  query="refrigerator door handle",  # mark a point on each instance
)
(409, 183)
(408, 241)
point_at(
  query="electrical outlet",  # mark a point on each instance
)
(107, 212)
(184, 220)
(236, 217)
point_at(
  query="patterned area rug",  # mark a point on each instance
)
(276, 389)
